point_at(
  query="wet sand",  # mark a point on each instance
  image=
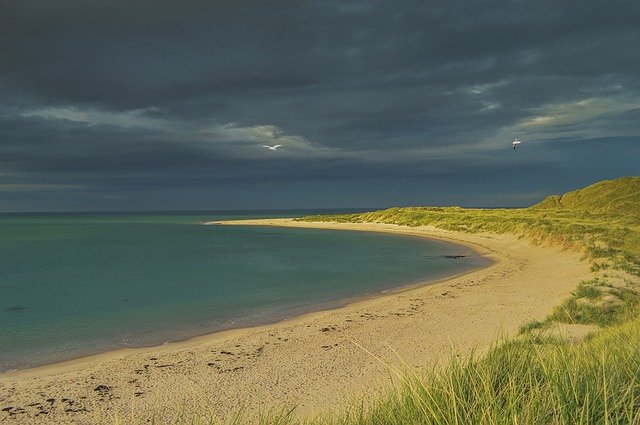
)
(318, 362)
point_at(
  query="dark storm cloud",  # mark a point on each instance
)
(148, 95)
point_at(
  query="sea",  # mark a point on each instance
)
(76, 284)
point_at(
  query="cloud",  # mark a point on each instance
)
(247, 141)
(162, 95)
(21, 187)
(580, 113)
(127, 119)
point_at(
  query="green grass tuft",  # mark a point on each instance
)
(619, 196)
(523, 381)
(530, 326)
(596, 303)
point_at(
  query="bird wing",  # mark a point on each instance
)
(277, 146)
(266, 146)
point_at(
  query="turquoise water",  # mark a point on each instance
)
(72, 285)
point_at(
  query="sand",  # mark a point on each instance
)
(317, 362)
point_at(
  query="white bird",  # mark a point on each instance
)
(272, 148)
(516, 142)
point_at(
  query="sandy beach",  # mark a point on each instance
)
(317, 362)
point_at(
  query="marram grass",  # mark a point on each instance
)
(528, 380)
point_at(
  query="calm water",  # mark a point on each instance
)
(72, 285)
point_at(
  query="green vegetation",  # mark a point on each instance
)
(602, 220)
(537, 378)
(620, 196)
(531, 380)
(532, 325)
(598, 302)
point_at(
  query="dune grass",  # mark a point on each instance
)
(597, 302)
(529, 380)
(537, 378)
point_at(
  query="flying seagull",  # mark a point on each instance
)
(516, 142)
(272, 148)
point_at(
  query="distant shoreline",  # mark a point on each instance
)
(317, 359)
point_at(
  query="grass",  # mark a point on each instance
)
(619, 196)
(523, 381)
(536, 378)
(596, 302)
(532, 325)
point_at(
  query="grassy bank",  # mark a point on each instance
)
(537, 377)
(602, 221)
(530, 380)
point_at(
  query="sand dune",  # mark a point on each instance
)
(318, 361)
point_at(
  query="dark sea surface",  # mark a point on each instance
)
(78, 284)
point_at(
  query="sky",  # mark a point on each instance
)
(165, 105)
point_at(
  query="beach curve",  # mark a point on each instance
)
(317, 361)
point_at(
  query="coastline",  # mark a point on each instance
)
(319, 359)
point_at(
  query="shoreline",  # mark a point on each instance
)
(88, 359)
(84, 359)
(327, 306)
(252, 366)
